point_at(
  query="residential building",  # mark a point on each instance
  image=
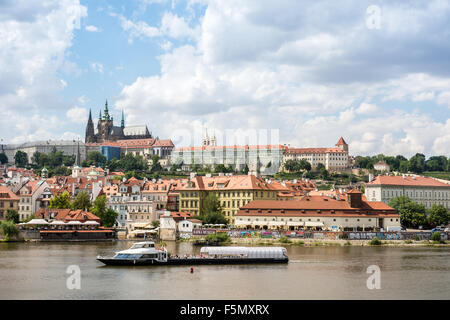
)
(8, 200)
(424, 190)
(334, 159)
(317, 212)
(232, 192)
(33, 196)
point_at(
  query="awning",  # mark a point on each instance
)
(313, 224)
(91, 222)
(259, 223)
(58, 222)
(295, 223)
(277, 223)
(36, 222)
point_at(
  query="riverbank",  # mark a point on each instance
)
(326, 242)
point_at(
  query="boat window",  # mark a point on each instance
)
(150, 256)
(128, 256)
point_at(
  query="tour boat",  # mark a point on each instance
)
(145, 253)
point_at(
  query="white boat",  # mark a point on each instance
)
(145, 253)
(141, 253)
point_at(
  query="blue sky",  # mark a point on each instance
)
(375, 72)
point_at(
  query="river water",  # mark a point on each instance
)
(38, 271)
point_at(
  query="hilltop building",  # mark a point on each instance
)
(334, 159)
(108, 132)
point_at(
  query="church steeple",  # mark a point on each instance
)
(122, 123)
(90, 129)
(100, 115)
(106, 111)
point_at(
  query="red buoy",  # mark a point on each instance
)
(192, 270)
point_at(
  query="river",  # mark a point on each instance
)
(38, 271)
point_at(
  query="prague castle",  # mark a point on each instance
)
(107, 131)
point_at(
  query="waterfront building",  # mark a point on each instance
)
(8, 200)
(334, 159)
(424, 190)
(263, 158)
(67, 215)
(317, 212)
(232, 192)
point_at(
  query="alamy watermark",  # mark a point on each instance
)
(74, 280)
(373, 17)
(374, 280)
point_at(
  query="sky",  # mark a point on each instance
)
(375, 72)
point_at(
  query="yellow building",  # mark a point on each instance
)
(233, 192)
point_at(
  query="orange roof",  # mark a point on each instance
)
(314, 150)
(6, 194)
(316, 203)
(238, 182)
(341, 142)
(67, 215)
(407, 181)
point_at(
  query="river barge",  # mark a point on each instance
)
(146, 254)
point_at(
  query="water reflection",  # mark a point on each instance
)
(37, 271)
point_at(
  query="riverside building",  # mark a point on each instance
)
(352, 213)
(233, 192)
(424, 190)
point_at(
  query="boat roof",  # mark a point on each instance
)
(144, 242)
(241, 250)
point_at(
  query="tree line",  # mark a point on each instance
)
(414, 215)
(416, 164)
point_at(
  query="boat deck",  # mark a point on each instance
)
(190, 261)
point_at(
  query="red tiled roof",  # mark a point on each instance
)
(6, 194)
(341, 142)
(407, 181)
(67, 215)
(314, 150)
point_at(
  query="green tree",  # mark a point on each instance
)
(12, 215)
(156, 166)
(107, 216)
(95, 158)
(8, 229)
(220, 168)
(412, 214)
(417, 163)
(21, 159)
(3, 158)
(246, 169)
(211, 204)
(156, 223)
(82, 201)
(215, 218)
(304, 165)
(438, 215)
(61, 201)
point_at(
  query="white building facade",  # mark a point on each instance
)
(424, 190)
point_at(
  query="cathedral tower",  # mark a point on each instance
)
(90, 134)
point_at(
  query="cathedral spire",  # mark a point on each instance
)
(100, 115)
(106, 112)
(122, 124)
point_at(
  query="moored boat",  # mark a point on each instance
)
(145, 253)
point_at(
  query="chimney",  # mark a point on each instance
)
(354, 198)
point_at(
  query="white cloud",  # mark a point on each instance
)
(34, 39)
(295, 67)
(96, 67)
(91, 28)
(77, 115)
